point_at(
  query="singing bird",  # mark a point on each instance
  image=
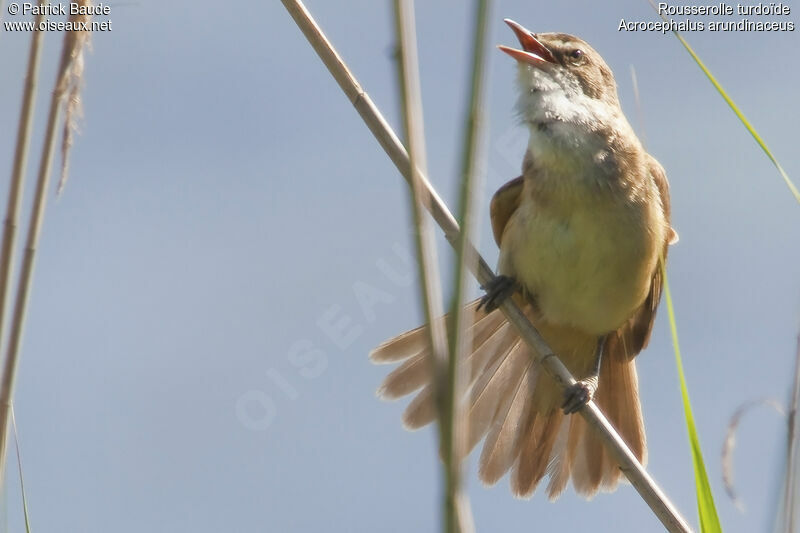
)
(580, 234)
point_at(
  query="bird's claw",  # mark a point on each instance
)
(578, 395)
(497, 290)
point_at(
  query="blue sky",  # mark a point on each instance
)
(226, 203)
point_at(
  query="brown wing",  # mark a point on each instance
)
(504, 202)
(633, 336)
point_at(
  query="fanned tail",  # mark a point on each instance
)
(516, 406)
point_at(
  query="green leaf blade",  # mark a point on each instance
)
(706, 509)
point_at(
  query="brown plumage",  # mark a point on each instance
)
(581, 231)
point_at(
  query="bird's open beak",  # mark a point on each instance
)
(533, 52)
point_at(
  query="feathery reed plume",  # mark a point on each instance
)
(633, 470)
(75, 44)
(71, 53)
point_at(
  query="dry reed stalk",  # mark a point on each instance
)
(460, 343)
(664, 510)
(729, 444)
(793, 452)
(12, 215)
(68, 78)
(455, 513)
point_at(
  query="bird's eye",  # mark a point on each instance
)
(576, 54)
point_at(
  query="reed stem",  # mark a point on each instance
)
(10, 225)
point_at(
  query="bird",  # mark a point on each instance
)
(581, 234)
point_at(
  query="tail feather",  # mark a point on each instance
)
(501, 446)
(484, 327)
(421, 411)
(591, 464)
(485, 394)
(535, 452)
(618, 397)
(415, 372)
(406, 378)
(495, 348)
(560, 461)
(401, 347)
(624, 404)
(619, 400)
(516, 407)
(581, 479)
(482, 406)
(411, 342)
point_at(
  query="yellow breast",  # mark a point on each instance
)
(588, 266)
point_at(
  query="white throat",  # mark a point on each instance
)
(564, 123)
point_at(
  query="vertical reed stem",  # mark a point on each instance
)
(11, 222)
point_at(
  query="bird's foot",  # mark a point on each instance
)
(497, 290)
(579, 394)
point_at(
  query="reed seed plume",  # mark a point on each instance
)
(70, 76)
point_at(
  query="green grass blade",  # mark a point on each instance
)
(738, 112)
(21, 480)
(709, 520)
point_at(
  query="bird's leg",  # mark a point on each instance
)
(582, 392)
(497, 290)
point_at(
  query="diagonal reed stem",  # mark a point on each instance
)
(633, 470)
